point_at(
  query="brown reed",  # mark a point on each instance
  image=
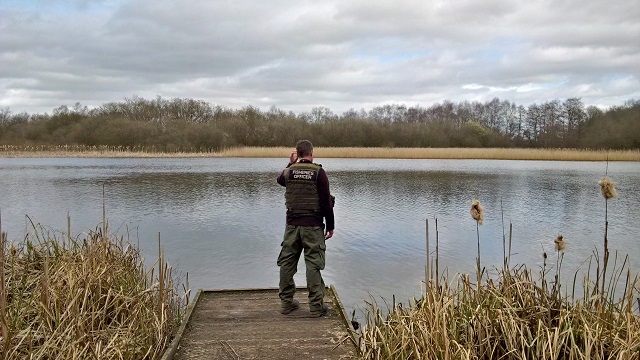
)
(607, 188)
(87, 298)
(511, 317)
(560, 243)
(514, 315)
(328, 152)
(477, 213)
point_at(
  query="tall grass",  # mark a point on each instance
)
(90, 297)
(329, 152)
(516, 314)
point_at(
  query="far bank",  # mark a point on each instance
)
(333, 152)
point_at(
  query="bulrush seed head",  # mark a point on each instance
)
(608, 188)
(560, 243)
(477, 211)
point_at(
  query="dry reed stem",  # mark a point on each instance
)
(608, 190)
(331, 152)
(477, 211)
(4, 329)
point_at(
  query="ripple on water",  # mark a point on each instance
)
(222, 220)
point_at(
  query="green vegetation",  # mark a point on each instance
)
(516, 314)
(186, 125)
(83, 298)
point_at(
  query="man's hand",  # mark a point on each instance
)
(293, 158)
(328, 234)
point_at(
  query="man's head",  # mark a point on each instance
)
(304, 148)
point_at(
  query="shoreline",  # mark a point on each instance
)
(346, 152)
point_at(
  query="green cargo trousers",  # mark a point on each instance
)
(311, 240)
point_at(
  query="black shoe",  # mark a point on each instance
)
(320, 311)
(294, 305)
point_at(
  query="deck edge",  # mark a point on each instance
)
(353, 335)
(173, 346)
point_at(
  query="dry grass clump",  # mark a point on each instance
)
(514, 317)
(89, 298)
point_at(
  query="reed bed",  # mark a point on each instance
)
(445, 153)
(79, 151)
(84, 298)
(514, 313)
(513, 317)
(327, 152)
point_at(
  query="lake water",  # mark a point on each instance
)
(222, 219)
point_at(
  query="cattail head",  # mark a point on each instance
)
(608, 188)
(560, 243)
(477, 211)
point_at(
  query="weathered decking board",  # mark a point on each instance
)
(247, 324)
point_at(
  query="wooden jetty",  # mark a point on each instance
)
(247, 324)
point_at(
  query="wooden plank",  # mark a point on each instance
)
(247, 324)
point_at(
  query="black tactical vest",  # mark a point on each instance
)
(301, 196)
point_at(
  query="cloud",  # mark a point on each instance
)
(303, 54)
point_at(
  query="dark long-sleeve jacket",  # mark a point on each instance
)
(325, 203)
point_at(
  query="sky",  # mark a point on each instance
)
(302, 54)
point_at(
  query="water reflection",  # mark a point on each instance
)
(222, 219)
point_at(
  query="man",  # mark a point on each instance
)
(308, 202)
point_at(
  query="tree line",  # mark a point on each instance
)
(183, 124)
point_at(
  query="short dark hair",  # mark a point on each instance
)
(304, 148)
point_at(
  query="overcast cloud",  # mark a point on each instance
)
(297, 55)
